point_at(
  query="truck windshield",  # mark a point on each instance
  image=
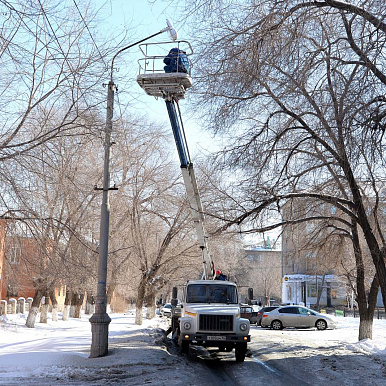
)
(211, 293)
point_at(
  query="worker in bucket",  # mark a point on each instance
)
(176, 61)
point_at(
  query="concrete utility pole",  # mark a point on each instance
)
(100, 320)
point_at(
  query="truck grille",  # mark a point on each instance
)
(216, 323)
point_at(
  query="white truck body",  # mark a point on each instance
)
(211, 317)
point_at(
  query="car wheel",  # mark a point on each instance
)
(321, 324)
(276, 325)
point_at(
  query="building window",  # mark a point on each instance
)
(311, 289)
(14, 255)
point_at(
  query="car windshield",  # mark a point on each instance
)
(211, 293)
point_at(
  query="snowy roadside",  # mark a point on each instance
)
(57, 353)
(333, 357)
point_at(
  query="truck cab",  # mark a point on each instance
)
(211, 318)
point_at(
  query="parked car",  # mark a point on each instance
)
(246, 312)
(249, 313)
(296, 316)
(166, 310)
(253, 318)
(259, 314)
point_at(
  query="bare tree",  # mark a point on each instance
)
(149, 223)
(54, 192)
(52, 69)
(51, 73)
(300, 88)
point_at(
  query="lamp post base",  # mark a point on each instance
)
(100, 335)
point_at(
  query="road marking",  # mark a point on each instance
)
(271, 369)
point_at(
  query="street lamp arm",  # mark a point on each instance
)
(168, 28)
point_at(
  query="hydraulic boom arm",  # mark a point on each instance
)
(191, 186)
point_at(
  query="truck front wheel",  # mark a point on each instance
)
(184, 344)
(241, 350)
(185, 347)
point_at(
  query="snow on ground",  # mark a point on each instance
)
(333, 357)
(57, 353)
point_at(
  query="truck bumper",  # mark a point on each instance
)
(215, 339)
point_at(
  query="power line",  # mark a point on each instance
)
(49, 23)
(92, 38)
(61, 49)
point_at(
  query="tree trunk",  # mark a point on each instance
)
(151, 308)
(366, 320)
(110, 292)
(139, 304)
(44, 308)
(54, 305)
(74, 302)
(78, 305)
(320, 291)
(89, 304)
(366, 327)
(67, 305)
(34, 310)
(377, 253)
(45, 305)
(366, 305)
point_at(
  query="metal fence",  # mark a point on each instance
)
(353, 313)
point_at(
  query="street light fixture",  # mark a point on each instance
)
(100, 320)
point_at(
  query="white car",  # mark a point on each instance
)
(297, 316)
(166, 310)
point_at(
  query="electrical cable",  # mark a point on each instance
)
(57, 40)
(92, 38)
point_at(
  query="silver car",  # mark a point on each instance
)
(297, 316)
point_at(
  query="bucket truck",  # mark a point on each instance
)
(210, 311)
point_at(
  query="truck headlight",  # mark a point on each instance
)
(187, 326)
(243, 326)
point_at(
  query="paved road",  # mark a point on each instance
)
(291, 358)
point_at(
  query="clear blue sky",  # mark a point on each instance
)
(144, 18)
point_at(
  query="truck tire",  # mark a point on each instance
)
(185, 347)
(184, 344)
(241, 350)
